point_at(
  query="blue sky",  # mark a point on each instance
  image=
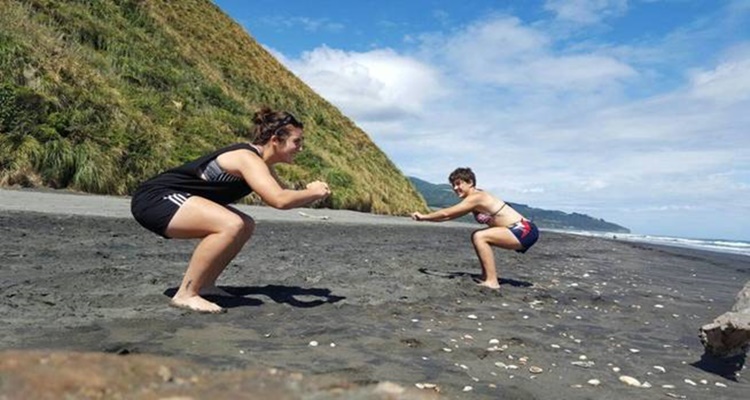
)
(634, 111)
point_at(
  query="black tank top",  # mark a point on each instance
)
(187, 178)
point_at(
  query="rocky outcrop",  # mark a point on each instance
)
(69, 375)
(729, 334)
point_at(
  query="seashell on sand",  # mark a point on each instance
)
(629, 380)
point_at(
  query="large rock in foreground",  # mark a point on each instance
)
(68, 375)
(729, 334)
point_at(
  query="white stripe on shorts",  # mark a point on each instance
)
(176, 198)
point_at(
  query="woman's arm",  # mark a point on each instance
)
(260, 178)
(446, 214)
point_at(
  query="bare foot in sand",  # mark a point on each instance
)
(215, 291)
(198, 304)
(489, 284)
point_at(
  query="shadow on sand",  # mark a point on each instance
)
(277, 293)
(728, 368)
(474, 277)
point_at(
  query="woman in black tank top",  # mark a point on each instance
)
(192, 202)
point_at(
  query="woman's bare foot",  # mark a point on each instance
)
(489, 284)
(198, 304)
(214, 290)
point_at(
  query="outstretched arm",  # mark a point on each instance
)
(257, 174)
(447, 214)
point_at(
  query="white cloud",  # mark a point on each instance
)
(586, 11)
(305, 23)
(503, 52)
(581, 72)
(729, 82)
(376, 85)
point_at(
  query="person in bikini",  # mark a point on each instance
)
(507, 228)
(192, 201)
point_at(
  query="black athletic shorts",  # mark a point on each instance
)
(154, 207)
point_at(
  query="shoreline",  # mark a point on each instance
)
(386, 300)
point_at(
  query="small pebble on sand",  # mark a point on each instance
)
(629, 380)
(426, 386)
(583, 364)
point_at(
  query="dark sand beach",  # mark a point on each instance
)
(366, 302)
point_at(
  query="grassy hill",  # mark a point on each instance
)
(441, 196)
(97, 95)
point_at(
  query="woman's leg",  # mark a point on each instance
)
(223, 232)
(210, 288)
(483, 240)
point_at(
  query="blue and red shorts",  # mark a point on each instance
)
(526, 232)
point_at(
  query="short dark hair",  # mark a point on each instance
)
(463, 174)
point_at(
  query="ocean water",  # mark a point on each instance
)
(717, 245)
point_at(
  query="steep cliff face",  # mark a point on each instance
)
(98, 95)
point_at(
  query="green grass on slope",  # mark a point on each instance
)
(99, 95)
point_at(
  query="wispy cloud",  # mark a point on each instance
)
(728, 83)
(503, 52)
(586, 11)
(304, 23)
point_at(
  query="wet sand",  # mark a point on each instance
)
(384, 299)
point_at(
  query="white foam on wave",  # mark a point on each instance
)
(717, 245)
